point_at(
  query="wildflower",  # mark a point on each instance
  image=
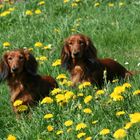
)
(111, 4)
(87, 110)
(61, 76)
(41, 3)
(94, 122)
(50, 128)
(30, 49)
(56, 63)
(68, 123)
(80, 135)
(83, 85)
(55, 91)
(136, 92)
(88, 138)
(42, 58)
(11, 137)
(65, 1)
(59, 132)
(80, 126)
(119, 113)
(47, 47)
(68, 95)
(121, 4)
(127, 85)
(5, 13)
(38, 11)
(128, 125)
(60, 97)
(104, 131)
(119, 89)
(96, 4)
(87, 99)
(120, 133)
(116, 97)
(68, 130)
(6, 44)
(22, 108)
(29, 12)
(47, 100)
(17, 103)
(38, 44)
(1, 6)
(115, 80)
(99, 92)
(48, 116)
(74, 4)
(80, 94)
(11, 9)
(135, 118)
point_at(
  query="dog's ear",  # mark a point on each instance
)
(65, 56)
(90, 50)
(4, 68)
(30, 62)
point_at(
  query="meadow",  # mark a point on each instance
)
(83, 112)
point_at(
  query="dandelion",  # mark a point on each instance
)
(105, 131)
(38, 44)
(136, 92)
(48, 116)
(87, 99)
(134, 118)
(120, 133)
(61, 76)
(47, 47)
(11, 9)
(80, 94)
(97, 4)
(121, 4)
(6, 44)
(41, 3)
(111, 4)
(30, 49)
(17, 103)
(28, 13)
(66, 1)
(42, 58)
(69, 94)
(38, 11)
(115, 80)
(50, 128)
(11, 137)
(128, 125)
(127, 85)
(5, 13)
(80, 135)
(55, 91)
(99, 92)
(60, 97)
(47, 100)
(94, 122)
(87, 111)
(68, 123)
(119, 113)
(80, 126)
(88, 138)
(119, 89)
(22, 108)
(68, 130)
(85, 84)
(74, 4)
(1, 6)
(59, 132)
(56, 63)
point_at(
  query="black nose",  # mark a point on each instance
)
(76, 53)
(14, 69)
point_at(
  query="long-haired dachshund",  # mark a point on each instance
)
(79, 57)
(19, 68)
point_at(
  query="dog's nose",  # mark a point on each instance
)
(14, 69)
(76, 53)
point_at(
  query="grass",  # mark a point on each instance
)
(115, 32)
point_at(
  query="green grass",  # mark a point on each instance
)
(115, 32)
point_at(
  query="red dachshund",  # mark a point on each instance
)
(19, 68)
(79, 57)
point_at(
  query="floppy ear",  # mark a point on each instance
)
(65, 56)
(90, 50)
(4, 69)
(30, 63)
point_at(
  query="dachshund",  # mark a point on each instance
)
(79, 57)
(19, 69)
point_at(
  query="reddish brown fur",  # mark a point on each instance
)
(19, 68)
(82, 62)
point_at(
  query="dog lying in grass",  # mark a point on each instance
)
(79, 57)
(19, 69)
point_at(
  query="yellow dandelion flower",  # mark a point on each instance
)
(134, 118)
(5, 13)
(28, 13)
(68, 95)
(99, 92)
(56, 91)
(60, 98)
(87, 99)
(97, 4)
(104, 131)
(121, 4)
(80, 135)
(38, 44)
(84, 84)
(74, 4)
(115, 80)
(49, 46)
(68, 123)
(87, 111)
(119, 113)
(61, 76)
(41, 3)
(11, 9)
(30, 49)
(6, 44)
(48, 116)
(59, 132)
(119, 89)
(120, 133)
(66, 1)
(56, 63)
(128, 125)
(42, 58)
(22, 108)
(127, 85)
(47, 100)
(17, 103)
(11, 137)
(1, 6)
(94, 122)
(110, 4)
(80, 94)
(118, 98)
(80, 126)
(136, 92)
(69, 129)
(50, 128)
(38, 11)
(88, 138)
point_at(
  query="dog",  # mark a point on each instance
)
(79, 57)
(19, 69)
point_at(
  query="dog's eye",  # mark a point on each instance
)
(70, 43)
(82, 43)
(9, 58)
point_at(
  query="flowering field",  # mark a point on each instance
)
(83, 112)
